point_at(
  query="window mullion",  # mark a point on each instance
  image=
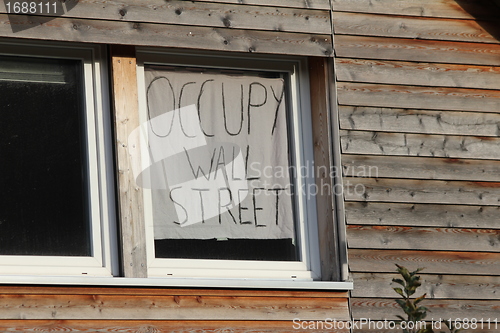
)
(126, 116)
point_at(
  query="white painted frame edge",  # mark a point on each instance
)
(103, 261)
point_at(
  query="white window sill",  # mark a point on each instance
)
(177, 282)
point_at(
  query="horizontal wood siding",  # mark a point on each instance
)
(403, 96)
(431, 215)
(463, 9)
(99, 309)
(157, 326)
(136, 307)
(279, 27)
(436, 286)
(204, 14)
(420, 167)
(406, 49)
(435, 262)
(409, 27)
(418, 73)
(419, 111)
(420, 121)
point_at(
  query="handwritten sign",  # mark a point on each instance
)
(217, 156)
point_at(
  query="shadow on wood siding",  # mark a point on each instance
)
(491, 6)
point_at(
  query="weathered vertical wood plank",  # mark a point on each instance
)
(126, 115)
(318, 71)
(337, 168)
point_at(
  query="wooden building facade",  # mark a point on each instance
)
(418, 86)
(404, 99)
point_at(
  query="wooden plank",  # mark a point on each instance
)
(435, 262)
(420, 168)
(414, 27)
(157, 326)
(435, 286)
(422, 191)
(416, 238)
(463, 9)
(149, 34)
(337, 174)
(379, 143)
(420, 74)
(203, 14)
(398, 96)
(312, 4)
(57, 290)
(366, 328)
(423, 215)
(419, 121)
(129, 307)
(130, 196)
(320, 102)
(376, 309)
(382, 48)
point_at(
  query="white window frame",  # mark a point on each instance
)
(103, 260)
(308, 268)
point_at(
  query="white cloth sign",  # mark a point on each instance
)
(215, 154)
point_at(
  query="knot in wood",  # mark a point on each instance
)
(226, 21)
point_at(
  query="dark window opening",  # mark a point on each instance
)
(44, 197)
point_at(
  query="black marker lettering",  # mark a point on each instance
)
(201, 202)
(196, 174)
(240, 208)
(221, 160)
(278, 106)
(255, 208)
(198, 106)
(224, 112)
(180, 114)
(178, 204)
(150, 116)
(277, 190)
(250, 105)
(230, 203)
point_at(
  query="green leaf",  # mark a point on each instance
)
(420, 315)
(406, 275)
(401, 317)
(422, 308)
(401, 303)
(399, 291)
(399, 281)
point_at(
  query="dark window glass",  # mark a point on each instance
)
(230, 249)
(44, 197)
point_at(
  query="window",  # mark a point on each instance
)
(220, 154)
(54, 210)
